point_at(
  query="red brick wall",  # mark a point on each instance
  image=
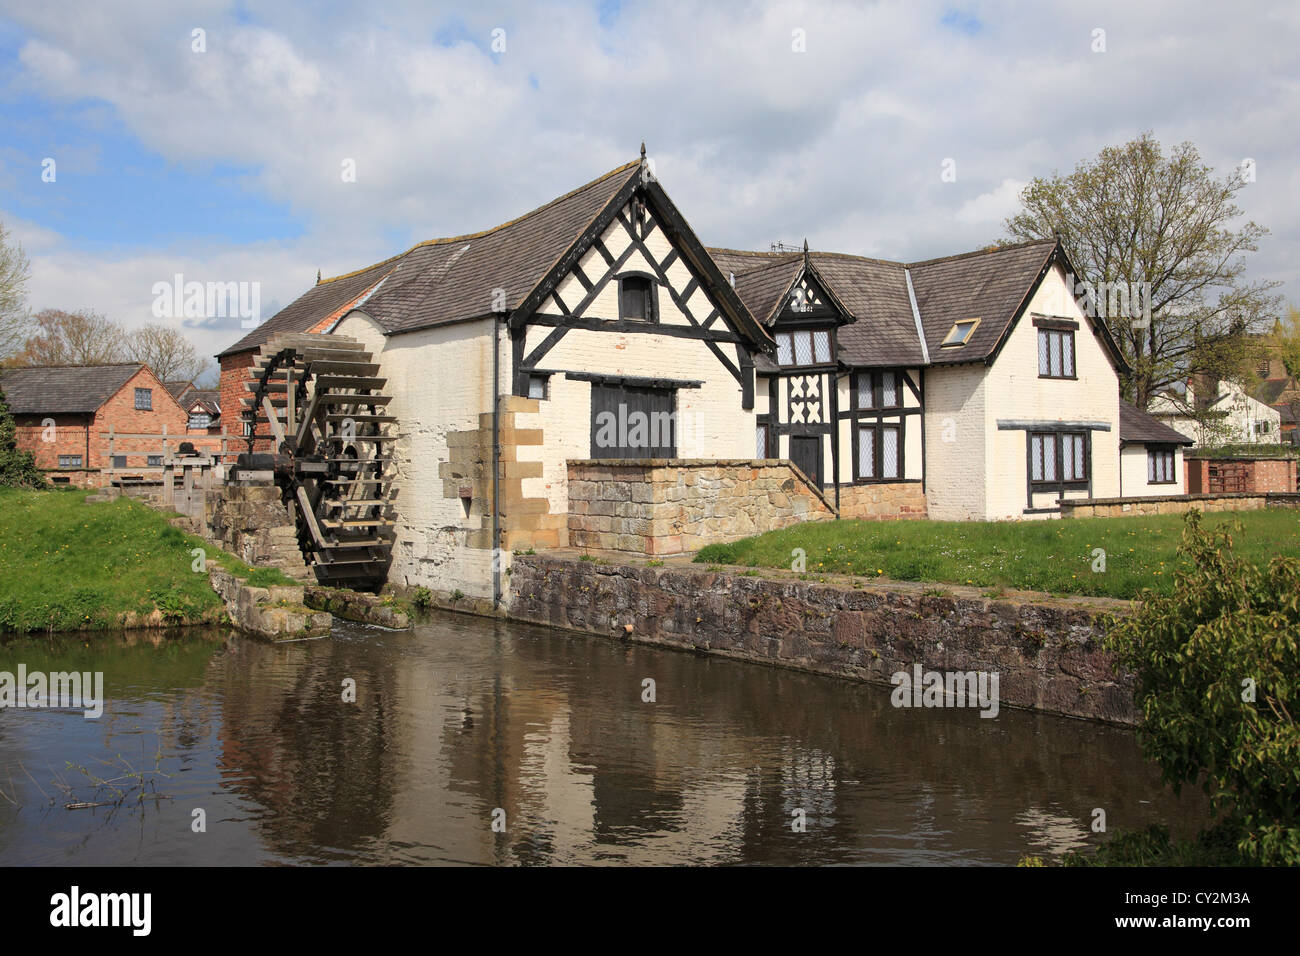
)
(86, 435)
(1262, 475)
(234, 373)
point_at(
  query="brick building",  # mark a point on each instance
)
(65, 415)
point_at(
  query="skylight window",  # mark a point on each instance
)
(960, 333)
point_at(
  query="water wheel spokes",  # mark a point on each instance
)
(317, 402)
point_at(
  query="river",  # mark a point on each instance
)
(473, 741)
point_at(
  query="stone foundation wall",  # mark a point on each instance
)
(251, 522)
(1174, 504)
(668, 507)
(1047, 655)
(903, 499)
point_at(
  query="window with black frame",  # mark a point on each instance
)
(1056, 353)
(803, 347)
(1058, 457)
(879, 453)
(1160, 465)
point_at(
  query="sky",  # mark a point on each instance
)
(215, 140)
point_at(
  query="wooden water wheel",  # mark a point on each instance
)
(318, 401)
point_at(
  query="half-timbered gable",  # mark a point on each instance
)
(637, 326)
(842, 395)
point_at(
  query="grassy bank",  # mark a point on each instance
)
(69, 565)
(1053, 556)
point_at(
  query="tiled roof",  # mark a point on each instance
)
(178, 388)
(63, 389)
(208, 398)
(1274, 391)
(449, 280)
(762, 279)
(1137, 426)
(875, 292)
(990, 285)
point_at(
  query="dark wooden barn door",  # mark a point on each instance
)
(630, 421)
(806, 453)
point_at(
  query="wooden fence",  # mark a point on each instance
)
(214, 446)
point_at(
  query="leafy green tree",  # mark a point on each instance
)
(17, 468)
(1135, 215)
(1218, 683)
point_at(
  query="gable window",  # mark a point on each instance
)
(200, 420)
(804, 347)
(144, 399)
(880, 456)
(1056, 457)
(637, 300)
(1056, 353)
(878, 390)
(69, 461)
(1160, 465)
(960, 333)
(539, 387)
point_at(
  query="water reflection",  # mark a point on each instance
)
(461, 719)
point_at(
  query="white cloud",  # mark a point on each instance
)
(992, 207)
(756, 143)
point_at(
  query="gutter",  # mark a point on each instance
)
(496, 461)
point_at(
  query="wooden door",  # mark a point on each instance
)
(629, 421)
(806, 453)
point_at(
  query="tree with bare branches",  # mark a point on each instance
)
(15, 321)
(168, 352)
(74, 338)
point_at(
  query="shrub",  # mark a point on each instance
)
(17, 468)
(1217, 663)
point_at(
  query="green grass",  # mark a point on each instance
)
(1055, 556)
(68, 565)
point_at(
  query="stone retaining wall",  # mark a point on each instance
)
(252, 523)
(277, 613)
(668, 507)
(1047, 654)
(1174, 504)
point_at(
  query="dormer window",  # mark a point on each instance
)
(805, 347)
(637, 301)
(960, 333)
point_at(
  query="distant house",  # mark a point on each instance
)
(1151, 455)
(1280, 391)
(202, 405)
(1226, 415)
(65, 415)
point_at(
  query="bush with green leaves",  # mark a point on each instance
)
(1217, 664)
(17, 468)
